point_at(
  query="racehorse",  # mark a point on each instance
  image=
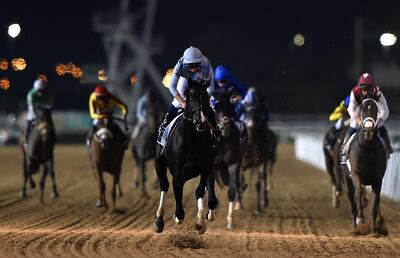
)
(260, 153)
(366, 165)
(189, 153)
(143, 145)
(230, 151)
(106, 155)
(332, 160)
(39, 151)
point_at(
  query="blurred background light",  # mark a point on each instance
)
(299, 40)
(14, 30)
(388, 39)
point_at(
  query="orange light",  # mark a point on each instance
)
(134, 79)
(61, 69)
(4, 83)
(43, 78)
(18, 64)
(77, 72)
(167, 77)
(3, 64)
(101, 74)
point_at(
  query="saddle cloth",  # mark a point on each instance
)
(168, 130)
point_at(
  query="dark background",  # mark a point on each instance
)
(252, 38)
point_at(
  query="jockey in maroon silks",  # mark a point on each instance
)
(366, 88)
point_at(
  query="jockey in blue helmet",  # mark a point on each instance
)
(226, 83)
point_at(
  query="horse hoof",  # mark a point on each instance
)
(230, 226)
(137, 184)
(238, 206)
(359, 220)
(335, 203)
(374, 234)
(55, 195)
(159, 225)
(22, 194)
(176, 220)
(100, 205)
(201, 229)
(33, 184)
(210, 215)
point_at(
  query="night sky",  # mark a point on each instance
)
(252, 38)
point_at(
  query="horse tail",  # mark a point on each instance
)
(222, 177)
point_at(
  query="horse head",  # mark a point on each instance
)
(197, 102)
(253, 116)
(104, 135)
(369, 116)
(44, 123)
(225, 114)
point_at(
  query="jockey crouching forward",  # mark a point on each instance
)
(192, 65)
(253, 98)
(101, 105)
(226, 83)
(338, 116)
(366, 88)
(39, 96)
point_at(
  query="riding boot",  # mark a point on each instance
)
(344, 152)
(168, 117)
(90, 136)
(384, 134)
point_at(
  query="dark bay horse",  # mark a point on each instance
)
(260, 153)
(367, 165)
(39, 151)
(106, 155)
(143, 145)
(230, 151)
(332, 160)
(189, 153)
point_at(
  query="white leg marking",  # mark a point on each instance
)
(160, 210)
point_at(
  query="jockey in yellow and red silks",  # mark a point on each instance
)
(102, 104)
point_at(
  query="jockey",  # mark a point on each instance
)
(148, 98)
(366, 88)
(101, 105)
(193, 64)
(337, 115)
(39, 95)
(253, 98)
(226, 83)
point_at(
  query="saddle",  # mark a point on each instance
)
(168, 131)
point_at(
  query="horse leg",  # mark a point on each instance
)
(351, 198)
(360, 192)
(161, 170)
(270, 165)
(258, 193)
(119, 190)
(264, 189)
(233, 189)
(54, 194)
(114, 188)
(101, 203)
(238, 197)
(46, 169)
(25, 177)
(212, 199)
(199, 194)
(179, 215)
(376, 197)
(143, 179)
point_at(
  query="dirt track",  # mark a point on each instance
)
(299, 221)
